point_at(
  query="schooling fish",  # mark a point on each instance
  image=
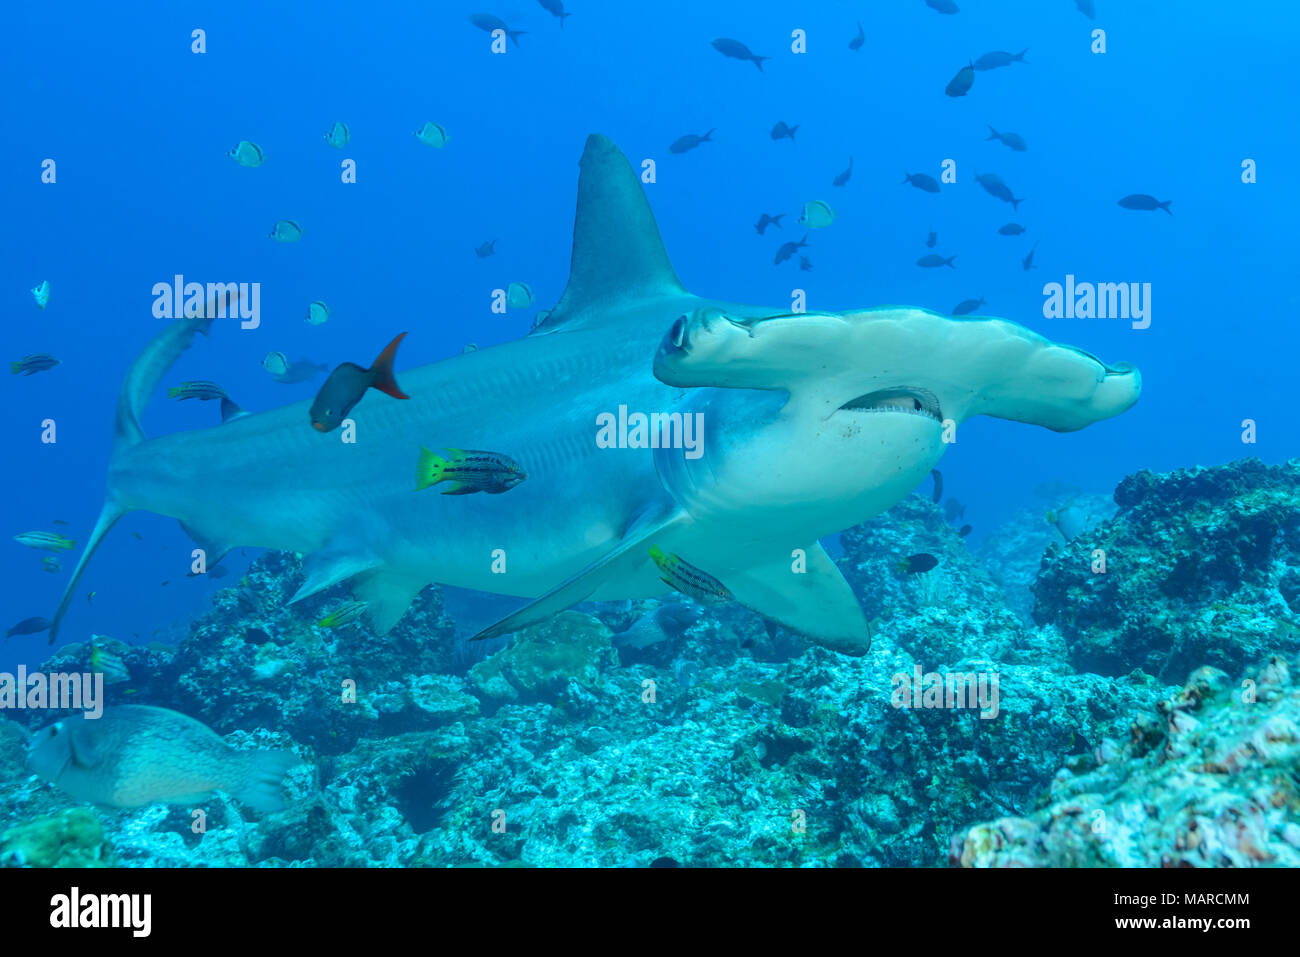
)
(317, 313)
(349, 382)
(286, 231)
(247, 154)
(843, 178)
(555, 8)
(994, 186)
(29, 626)
(922, 181)
(1011, 229)
(30, 365)
(783, 132)
(816, 215)
(487, 249)
(738, 51)
(856, 42)
(1028, 261)
(967, 306)
(468, 471)
(487, 22)
(199, 389)
(789, 249)
(960, 84)
(688, 142)
(931, 240)
(344, 614)
(934, 261)
(688, 579)
(765, 220)
(1013, 140)
(917, 564)
(338, 136)
(41, 293)
(991, 61)
(1145, 202)
(134, 755)
(50, 541)
(432, 134)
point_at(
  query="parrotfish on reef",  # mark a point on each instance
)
(688, 579)
(347, 612)
(738, 51)
(688, 142)
(134, 755)
(30, 365)
(349, 382)
(468, 471)
(856, 398)
(247, 154)
(487, 22)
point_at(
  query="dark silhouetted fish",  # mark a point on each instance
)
(856, 42)
(1086, 8)
(688, 142)
(1028, 261)
(922, 181)
(960, 84)
(1145, 202)
(967, 306)
(963, 531)
(994, 186)
(805, 263)
(943, 6)
(937, 477)
(30, 365)
(738, 51)
(1011, 229)
(29, 626)
(783, 132)
(765, 221)
(931, 240)
(487, 249)
(1013, 140)
(991, 61)
(789, 249)
(487, 22)
(349, 382)
(934, 261)
(665, 622)
(555, 8)
(953, 510)
(843, 178)
(918, 564)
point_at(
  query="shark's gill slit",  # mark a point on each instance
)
(909, 400)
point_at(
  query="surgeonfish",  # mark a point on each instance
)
(738, 51)
(1011, 229)
(468, 471)
(1028, 261)
(134, 755)
(487, 249)
(856, 42)
(931, 240)
(1014, 140)
(805, 264)
(247, 154)
(843, 178)
(556, 9)
(338, 135)
(994, 186)
(783, 132)
(30, 365)
(349, 382)
(687, 579)
(432, 134)
(286, 231)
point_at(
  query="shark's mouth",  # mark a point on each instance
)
(903, 401)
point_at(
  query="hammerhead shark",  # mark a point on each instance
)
(744, 435)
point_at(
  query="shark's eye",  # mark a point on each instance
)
(678, 332)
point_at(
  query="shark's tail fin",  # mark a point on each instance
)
(141, 380)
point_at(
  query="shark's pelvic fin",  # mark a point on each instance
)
(214, 549)
(625, 556)
(617, 253)
(816, 602)
(387, 594)
(337, 562)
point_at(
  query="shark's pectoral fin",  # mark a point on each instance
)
(336, 563)
(214, 549)
(816, 601)
(388, 594)
(626, 555)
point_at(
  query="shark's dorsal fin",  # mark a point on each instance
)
(617, 253)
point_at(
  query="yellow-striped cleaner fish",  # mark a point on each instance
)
(687, 579)
(199, 389)
(468, 471)
(344, 614)
(50, 541)
(135, 755)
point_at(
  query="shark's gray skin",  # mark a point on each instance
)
(811, 423)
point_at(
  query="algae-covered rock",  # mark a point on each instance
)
(72, 838)
(545, 658)
(443, 697)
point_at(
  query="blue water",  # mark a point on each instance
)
(139, 126)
